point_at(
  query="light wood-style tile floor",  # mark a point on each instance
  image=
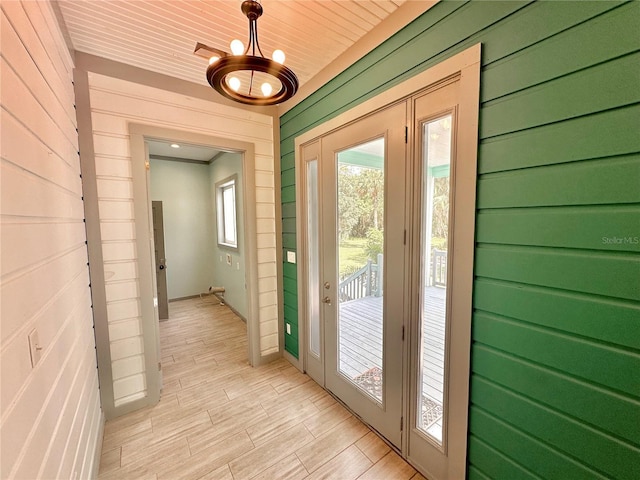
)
(219, 418)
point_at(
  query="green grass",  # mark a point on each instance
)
(352, 255)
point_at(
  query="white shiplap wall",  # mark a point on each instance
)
(50, 416)
(114, 104)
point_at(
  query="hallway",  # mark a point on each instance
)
(221, 419)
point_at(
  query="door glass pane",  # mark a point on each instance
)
(360, 227)
(436, 138)
(313, 268)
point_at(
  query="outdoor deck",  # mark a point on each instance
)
(361, 339)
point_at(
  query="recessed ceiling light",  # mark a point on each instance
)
(175, 145)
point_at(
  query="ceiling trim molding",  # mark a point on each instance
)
(178, 159)
(217, 156)
(110, 68)
(403, 16)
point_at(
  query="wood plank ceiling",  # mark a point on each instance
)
(160, 35)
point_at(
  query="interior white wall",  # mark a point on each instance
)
(231, 277)
(114, 104)
(50, 417)
(188, 216)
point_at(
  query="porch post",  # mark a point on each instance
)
(380, 275)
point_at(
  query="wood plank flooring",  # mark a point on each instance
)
(219, 418)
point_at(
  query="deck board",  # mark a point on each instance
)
(361, 338)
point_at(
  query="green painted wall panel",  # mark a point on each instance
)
(290, 270)
(291, 345)
(293, 336)
(288, 194)
(292, 313)
(580, 93)
(591, 361)
(594, 136)
(289, 241)
(287, 147)
(607, 454)
(586, 316)
(292, 340)
(290, 300)
(535, 23)
(288, 159)
(474, 16)
(288, 177)
(495, 464)
(294, 329)
(291, 288)
(561, 101)
(289, 210)
(555, 56)
(289, 225)
(595, 228)
(614, 274)
(475, 474)
(533, 454)
(572, 184)
(609, 412)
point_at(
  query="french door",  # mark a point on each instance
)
(364, 166)
(356, 215)
(388, 205)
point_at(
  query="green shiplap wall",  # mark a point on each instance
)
(555, 385)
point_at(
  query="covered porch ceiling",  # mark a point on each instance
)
(160, 35)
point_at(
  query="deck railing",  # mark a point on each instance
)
(365, 282)
(439, 268)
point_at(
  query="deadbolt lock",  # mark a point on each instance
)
(326, 300)
(327, 285)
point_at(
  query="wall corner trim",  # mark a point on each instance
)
(94, 240)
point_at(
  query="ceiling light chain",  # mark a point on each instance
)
(223, 65)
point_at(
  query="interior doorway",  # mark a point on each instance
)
(204, 230)
(140, 135)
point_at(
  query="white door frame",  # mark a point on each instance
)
(138, 133)
(465, 65)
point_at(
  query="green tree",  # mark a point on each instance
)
(440, 219)
(347, 201)
(360, 200)
(375, 243)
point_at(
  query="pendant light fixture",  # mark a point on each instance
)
(246, 75)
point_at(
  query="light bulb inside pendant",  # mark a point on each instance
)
(237, 47)
(234, 83)
(266, 89)
(278, 56)
(213, 59)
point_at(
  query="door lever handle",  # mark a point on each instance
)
(326, 300)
